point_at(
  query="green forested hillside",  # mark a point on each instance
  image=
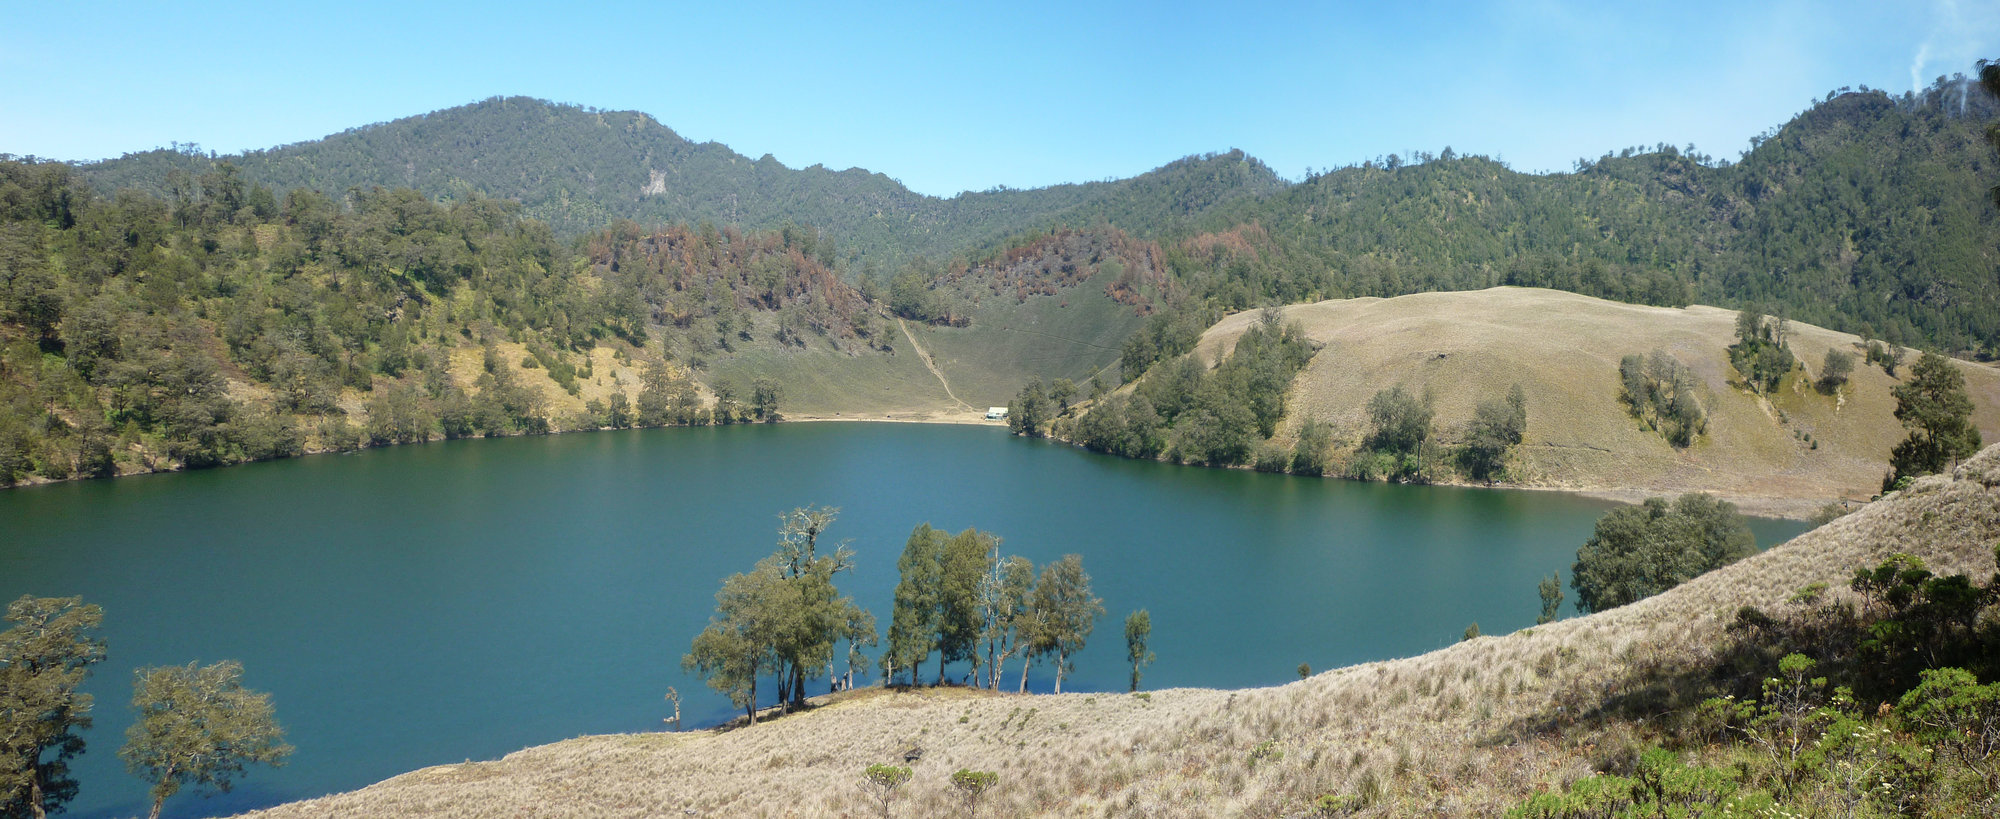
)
(175, 309)
(1865, 213)
(230, 325)
(1860, 214)
(579, 169)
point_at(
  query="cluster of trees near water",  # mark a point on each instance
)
(957, 597)
(1187, 412)
(123, 320)
(197, 725)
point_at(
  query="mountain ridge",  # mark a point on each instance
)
(581, 169)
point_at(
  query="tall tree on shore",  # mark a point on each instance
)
(784, 617)
(44, 659)
(1138, 629)
(823, 616)
(199, 726)
(739, 643)
(1497, 426)
(1065, 612)
(967, 559)
(1005, 596)
(913, 622)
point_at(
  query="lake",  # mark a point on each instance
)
(430, 604)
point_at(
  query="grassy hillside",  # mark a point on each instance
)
(1564, 350)
(1468, 730)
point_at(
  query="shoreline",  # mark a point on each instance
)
(1756, 506)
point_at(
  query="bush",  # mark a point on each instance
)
(1309, 453)
(1401, 423)
(1497, 426)
(1760, 354)
(1273, 458)
(1660, 391)
(1834, 372)
(1887, 356)
(1639, 551)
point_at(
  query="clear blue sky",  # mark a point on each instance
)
(1020, 93)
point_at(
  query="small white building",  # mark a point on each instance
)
(996, 413)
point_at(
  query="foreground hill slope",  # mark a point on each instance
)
(1445, 733)
(1787, 454)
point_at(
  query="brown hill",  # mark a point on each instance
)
(1786, 455)
(1439, 734)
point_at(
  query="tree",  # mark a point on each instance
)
(822, 616)
(1551, 589)
(199, 726)
(971, 785)
(881, 783)
(1760, 353)
(1217, 428)
(1003, 595)
(764, 394)
(1029, 410)
(1661, 393)
(1065, 613)
(1061, 392)
(967, 560)
(1401, 422)
(657, 385)
(1309, 454)
(1834, 372)
(1138, 627)
(1640, 551)
(44, 659)
(860, 633)
(913, 622)
(943, 599)
(1933, 406)
(739, 643)
(1497, 426)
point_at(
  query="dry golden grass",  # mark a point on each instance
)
(1435, 735)
(1563, 349)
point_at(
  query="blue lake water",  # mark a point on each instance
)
(428, 604)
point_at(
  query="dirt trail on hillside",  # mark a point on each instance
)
(924, 355)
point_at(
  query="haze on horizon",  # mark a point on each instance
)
(948, 100)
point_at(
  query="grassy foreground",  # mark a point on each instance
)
(1467, 730)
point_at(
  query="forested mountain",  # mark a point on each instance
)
(1862, 214)
(172, 308)
(1865, 213)
(230, 325)
(580, 169)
